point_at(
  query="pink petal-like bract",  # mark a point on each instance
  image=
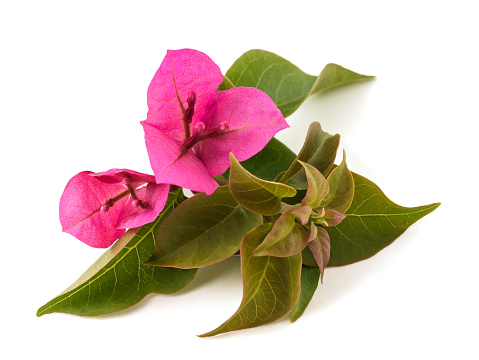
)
(181, 72)
(97, 208)
(239, 120)
(252, 119)
(153, 199)
(80, 210)
(173, 165)
(116, 176)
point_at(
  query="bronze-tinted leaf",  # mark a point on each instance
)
(341, 188)
(271, 286)
(319, 150)
(321, 248)
(257, 195)
(286, 238)
(203, 230)
(318, 187)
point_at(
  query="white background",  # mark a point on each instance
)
(73, 80)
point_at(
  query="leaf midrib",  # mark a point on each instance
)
(432, 206)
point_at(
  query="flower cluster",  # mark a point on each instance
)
(190, 130)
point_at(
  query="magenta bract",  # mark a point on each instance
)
(191, 128)
(97, 208)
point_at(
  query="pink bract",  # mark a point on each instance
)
(97, 208)
(187, 150)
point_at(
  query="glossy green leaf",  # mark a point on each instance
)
(284, 82)
(203, 230)
(319, 150)
(318, 186)
(372, 223)
(271, 286)
(226, 84)
(309, 284)
(334, 75)
(341, 188)
(118, 279)
(286, 238)
(257, 195)
(269, 162)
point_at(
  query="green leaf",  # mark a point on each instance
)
(203, 230)
(118, 279)
(309, 284)
(271, 286)
(269, 162)
(284, 82)
(257, 195)
(286, 238)
(341, 188)
(226, 84)
(372, 223)
(319, 150)
(335, 75)
(318, 187)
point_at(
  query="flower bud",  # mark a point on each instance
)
(223, 126)
(199, 126)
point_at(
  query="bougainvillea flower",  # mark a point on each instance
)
(191, 127)
(97, 208)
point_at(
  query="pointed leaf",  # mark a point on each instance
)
(329, 218)
(341, 188)
(312, 232)
(318, 187)
(319, 150)
(335, 75)
(287, 238)
(321, 248)
(302, 214)
(372, 223)
(284, 82)
(257, 195)
(269, 162)
(118, 279)
(203, 230)
(271, 286)
(309, 283)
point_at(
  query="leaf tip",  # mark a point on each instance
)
(295, 315)
(208, 334)
(43, 311)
